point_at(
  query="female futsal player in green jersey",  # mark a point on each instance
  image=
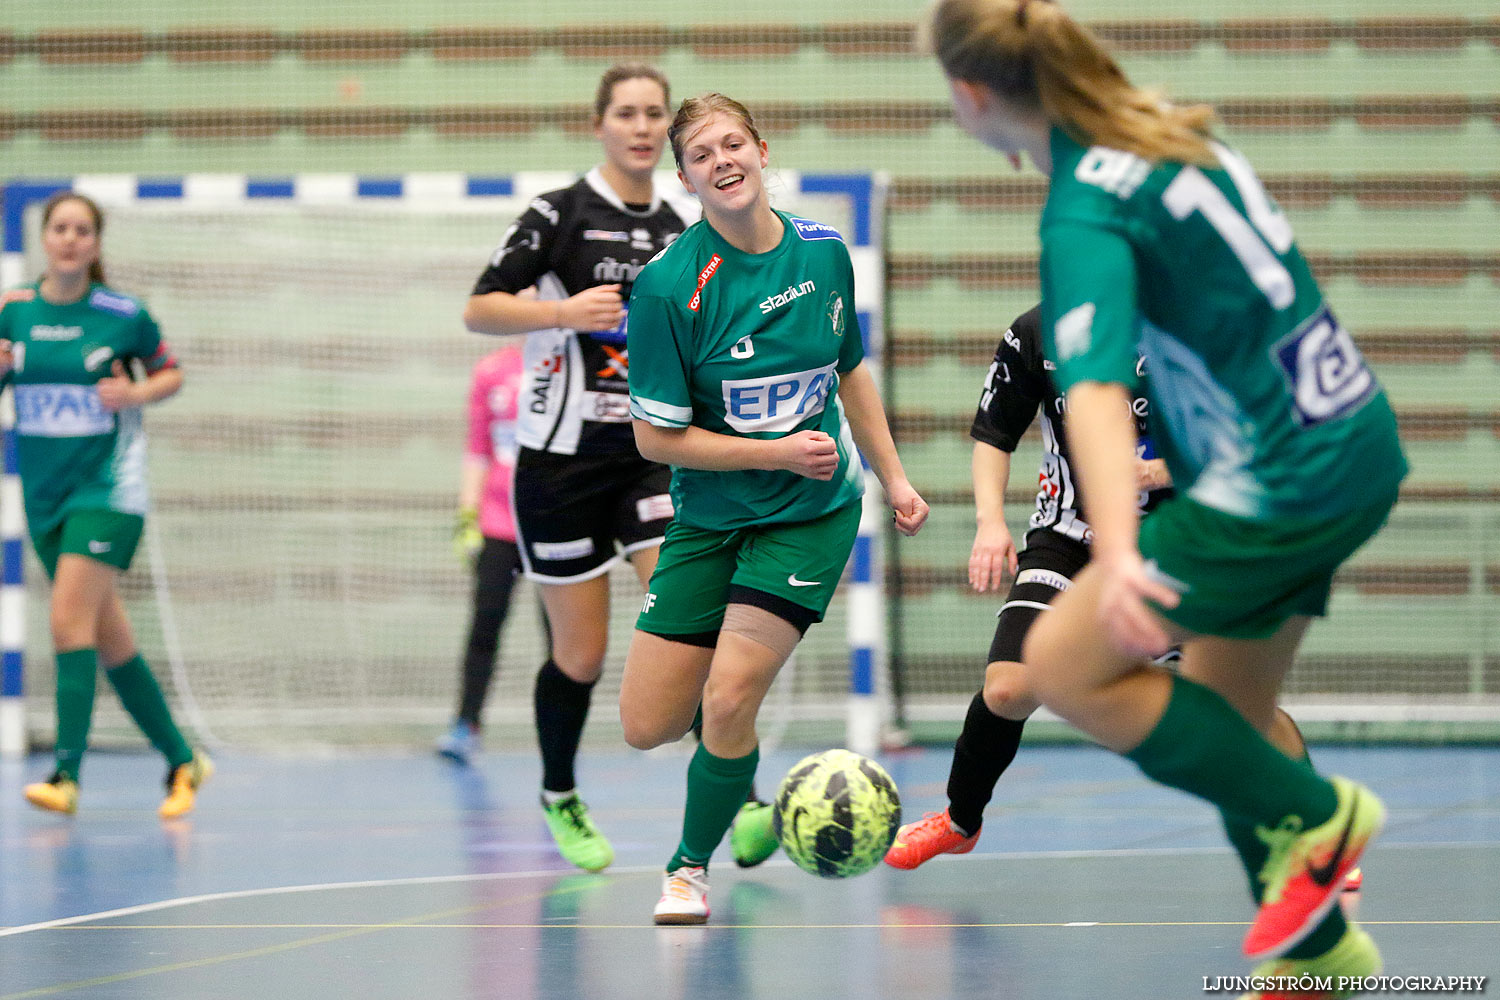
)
(1283, 448)
(747, 377)
(65, 345)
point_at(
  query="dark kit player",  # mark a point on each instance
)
(584, 497)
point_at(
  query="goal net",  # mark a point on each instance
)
(297, 583)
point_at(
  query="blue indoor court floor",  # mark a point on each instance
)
(402, 876)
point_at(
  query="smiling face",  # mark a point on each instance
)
(722, 163)
(70, 239)
(633, 128)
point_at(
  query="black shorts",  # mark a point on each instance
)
(1046, 567)
(577, 515)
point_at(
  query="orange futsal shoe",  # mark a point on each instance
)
(1307, 870)
(919, 842)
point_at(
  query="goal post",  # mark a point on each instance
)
(296, 585)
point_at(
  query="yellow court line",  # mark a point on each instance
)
(352, 931)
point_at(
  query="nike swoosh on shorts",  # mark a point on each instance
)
(801, 583)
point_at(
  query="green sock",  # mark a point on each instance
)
(716, 788)
(1253, 853)
(1202, 746)
(142, 698)
(76, 676)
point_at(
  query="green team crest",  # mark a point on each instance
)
(836, 313)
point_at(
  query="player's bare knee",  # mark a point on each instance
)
(1006, 691)
(649, 733)
(581, 665)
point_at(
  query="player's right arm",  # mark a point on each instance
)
(1089, 283)
(1013, 391)
(807, 453)
(497, 306)
(993, 556)
(591, 310)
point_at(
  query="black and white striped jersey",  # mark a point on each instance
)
(1019, 384)
(575, 393)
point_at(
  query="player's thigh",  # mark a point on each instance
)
(741, 673)
(1067, 651)
(1247, 672)
(495, 573)
(661, 688)
(1045, 568)
(79, 589)
(579, 613)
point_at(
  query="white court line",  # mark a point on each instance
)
(213, 897)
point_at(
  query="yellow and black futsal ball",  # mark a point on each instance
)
(836, 813)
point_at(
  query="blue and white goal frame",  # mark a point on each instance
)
(866, 198)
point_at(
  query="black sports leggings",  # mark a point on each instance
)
(495, 576)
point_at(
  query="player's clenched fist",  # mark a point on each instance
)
(910, 509)
(592, 310)
(810, 453)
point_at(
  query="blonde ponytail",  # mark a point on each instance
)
(1031, 53)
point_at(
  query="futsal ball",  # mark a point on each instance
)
(836, 814)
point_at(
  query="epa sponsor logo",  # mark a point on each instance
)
(793, 292)
(810, 230)
(61, 410)
(40, 332)
(777, 402)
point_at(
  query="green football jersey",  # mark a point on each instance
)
(1260, 402)
(749, 345)
(73, 453)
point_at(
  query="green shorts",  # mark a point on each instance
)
(106, 536)
(798, 565)
(1243, 579)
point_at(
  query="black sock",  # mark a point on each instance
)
(562, 707)
(984, 750)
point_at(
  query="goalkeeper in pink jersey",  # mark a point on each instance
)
(485, 535)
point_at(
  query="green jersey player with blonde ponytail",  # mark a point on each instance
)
(1158, 240)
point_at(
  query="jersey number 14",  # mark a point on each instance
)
(1327, 375)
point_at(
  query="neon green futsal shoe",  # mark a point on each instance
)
(578, 839)
(751, 838)
(1341, 969)
(1306, 870)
